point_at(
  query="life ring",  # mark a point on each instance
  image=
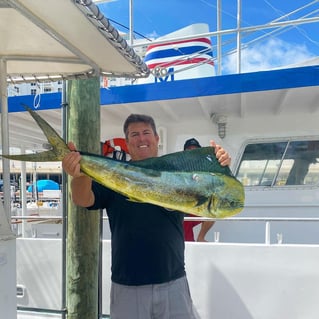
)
(115, 148)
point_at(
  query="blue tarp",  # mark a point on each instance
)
(44, 184)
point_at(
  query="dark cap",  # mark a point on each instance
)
(191, 142)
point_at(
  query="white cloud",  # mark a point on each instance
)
(152, 35)
(274, 53)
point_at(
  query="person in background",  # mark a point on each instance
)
(189, 225)
(148, 277)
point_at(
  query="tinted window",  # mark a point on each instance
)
(280, 163)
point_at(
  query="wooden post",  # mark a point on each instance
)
(83, 226)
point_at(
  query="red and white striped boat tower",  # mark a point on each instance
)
(180, 59)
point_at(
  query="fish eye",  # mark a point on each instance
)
(195, 177)
(232, 204)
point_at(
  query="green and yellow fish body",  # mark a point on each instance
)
(190, 181)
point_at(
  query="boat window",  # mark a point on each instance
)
(280, 163)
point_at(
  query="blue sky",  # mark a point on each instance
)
(285, 47)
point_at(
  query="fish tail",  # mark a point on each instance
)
(58, 146)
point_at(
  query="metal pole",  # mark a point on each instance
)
(267, 233)
(131, 22)
(219, 37)
(64, 200)
(238, 36)
(5, 138)
(23, 196)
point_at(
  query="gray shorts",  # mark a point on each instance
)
(170, 300)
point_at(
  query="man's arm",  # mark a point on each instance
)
(205, 227)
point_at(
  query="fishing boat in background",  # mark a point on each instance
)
(266, 255)
(260, 264)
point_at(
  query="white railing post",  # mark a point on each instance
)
(267, 233)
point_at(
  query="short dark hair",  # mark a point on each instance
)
(138, 118)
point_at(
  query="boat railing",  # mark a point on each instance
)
(267, 220)
(61, 313)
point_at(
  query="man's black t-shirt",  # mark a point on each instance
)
(147, 240)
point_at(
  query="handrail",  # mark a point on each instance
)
(41, 310)
(231, 219)
(262, 219)
(266, 220)
(36, 217)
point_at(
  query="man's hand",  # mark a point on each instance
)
(223, 157)
(71, 162)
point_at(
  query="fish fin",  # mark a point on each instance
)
(201, 200)
(196, 160)
(47, 156)
(59, 147)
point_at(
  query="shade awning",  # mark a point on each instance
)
(61, 39)
(50, 40)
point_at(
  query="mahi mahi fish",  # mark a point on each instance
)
(190, 181)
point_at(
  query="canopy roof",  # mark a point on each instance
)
(60, 39)
(43, 40)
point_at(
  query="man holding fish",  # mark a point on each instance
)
(148, 271)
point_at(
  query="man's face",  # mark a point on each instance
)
(141, 141)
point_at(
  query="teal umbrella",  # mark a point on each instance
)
(44, 184)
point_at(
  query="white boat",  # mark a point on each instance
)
(260, 264)
(265, 262)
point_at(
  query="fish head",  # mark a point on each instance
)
(227, 198)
